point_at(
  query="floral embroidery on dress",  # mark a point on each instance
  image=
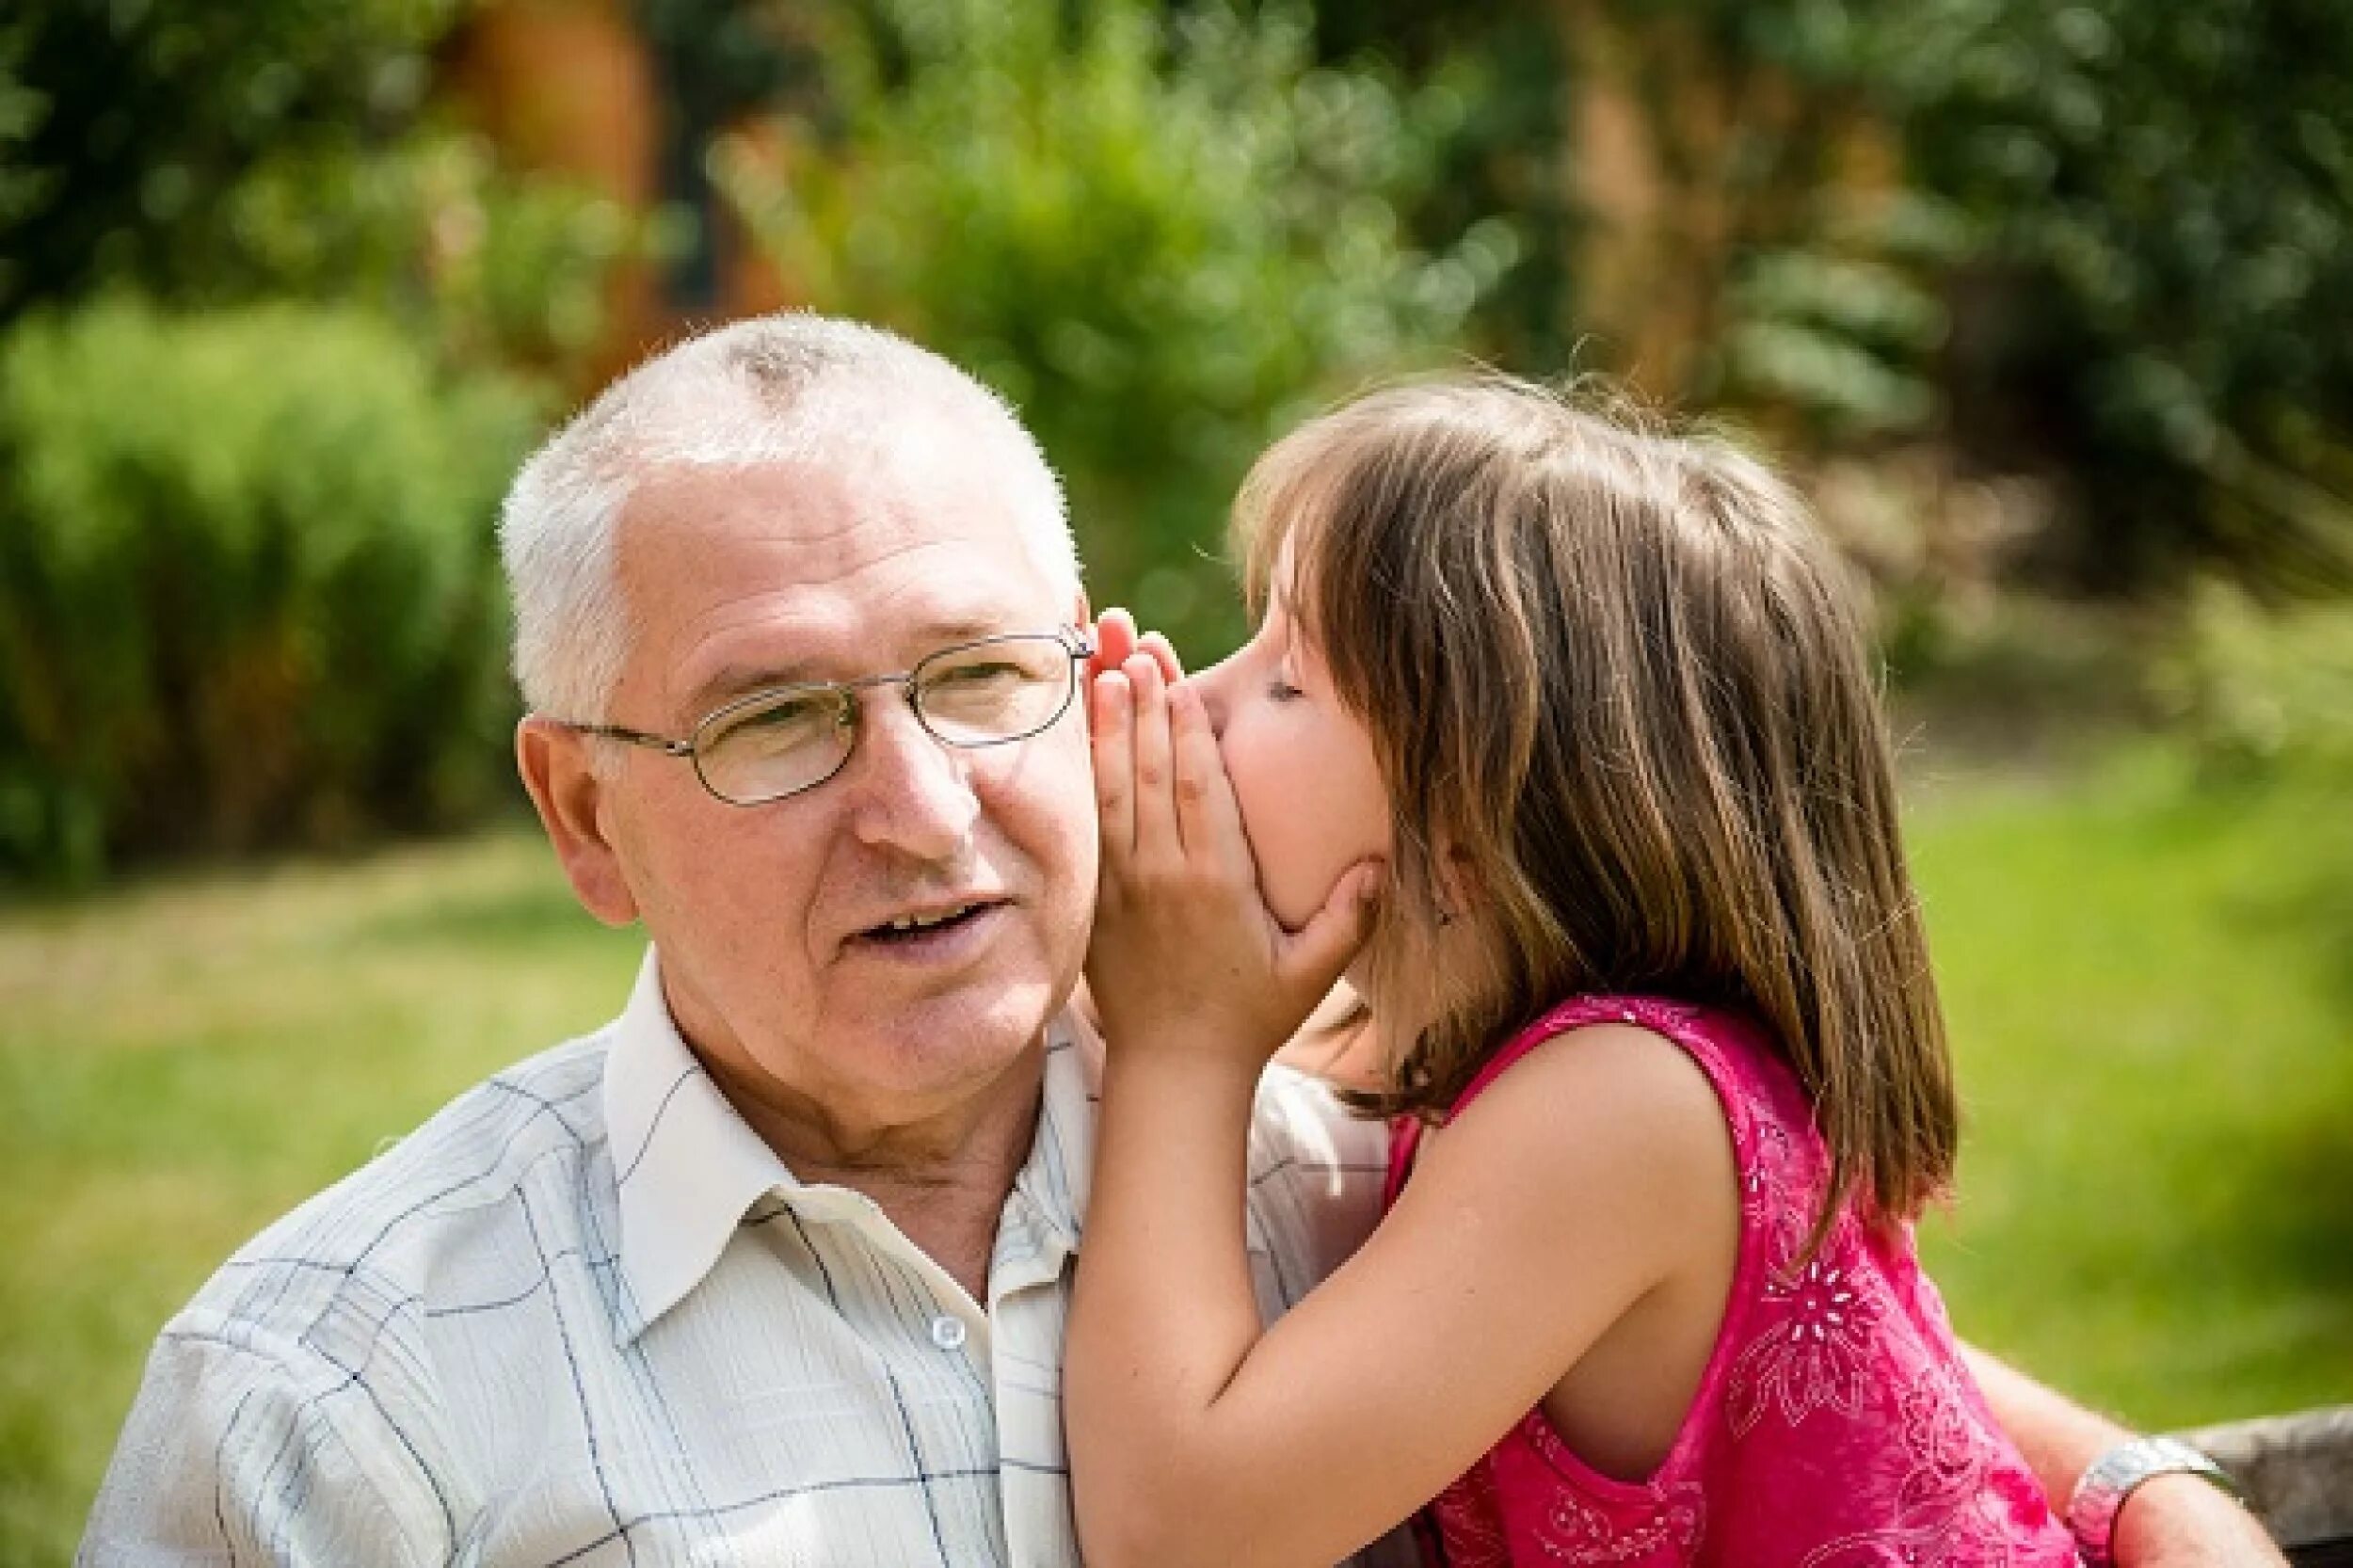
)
(1946, 1479)
(1777, 1192)
(1576, 1532)
(1948, 1463)
(1671, 1520)
(1815, 1353)
(1467, 1522)
(1923, 1546)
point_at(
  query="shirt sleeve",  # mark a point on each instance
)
(238, 1454)
(1316, 1172)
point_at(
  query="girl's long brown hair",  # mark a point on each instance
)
(1617, 685)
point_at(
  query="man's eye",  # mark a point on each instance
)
(993, 672)
(784, 722)
(785, 714)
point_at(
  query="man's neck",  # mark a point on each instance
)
(941, 1180)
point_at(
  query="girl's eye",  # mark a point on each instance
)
(1280, 690)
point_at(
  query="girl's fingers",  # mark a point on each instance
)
(1209, 820)
(1115, 641)
(1111, 737)
(1164, 653)
(1157, 839)
(1315, 958)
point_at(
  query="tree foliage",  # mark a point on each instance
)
(2112, 243)
(1162, 238)
(135, 120)
(2168, 196)
(248, 593)
(214, 152)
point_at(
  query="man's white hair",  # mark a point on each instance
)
(778, 388)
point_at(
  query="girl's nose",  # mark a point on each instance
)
(1212, 685)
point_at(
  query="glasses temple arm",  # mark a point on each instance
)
(633, 737)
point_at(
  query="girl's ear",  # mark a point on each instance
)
(1460, 889)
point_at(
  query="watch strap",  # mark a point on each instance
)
(2100, 1493)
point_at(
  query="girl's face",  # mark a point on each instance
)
(1302, 764)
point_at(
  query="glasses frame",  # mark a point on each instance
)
(1075, 643)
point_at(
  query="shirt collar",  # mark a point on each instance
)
(1039, 1227)
(688, 1167)
(1046, 1215)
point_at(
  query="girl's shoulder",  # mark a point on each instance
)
(1714, 1035)
(1756, 1094)
(1589, 1068)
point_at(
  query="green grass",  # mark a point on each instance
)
(2150, 987)
(181, 1062)
(2150, 990)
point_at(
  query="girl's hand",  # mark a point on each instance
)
(1185, 955)
(1116, 640)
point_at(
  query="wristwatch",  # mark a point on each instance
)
(2098, 1496)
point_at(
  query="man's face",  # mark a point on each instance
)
(772, 921)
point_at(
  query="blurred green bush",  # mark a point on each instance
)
(124, 129)
(2167, 203)
(2267, 689)
(1164, 236)
(249, 591)
(208, 155)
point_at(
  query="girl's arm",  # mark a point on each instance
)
(1557, 1201)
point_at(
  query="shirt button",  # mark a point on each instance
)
(948, 1332)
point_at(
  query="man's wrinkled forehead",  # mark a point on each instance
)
(744, 577)
(896, 483)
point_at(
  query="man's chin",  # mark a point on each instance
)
(965, 1033)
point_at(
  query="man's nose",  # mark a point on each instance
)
(909, 786)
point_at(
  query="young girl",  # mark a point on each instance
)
(1573, 722)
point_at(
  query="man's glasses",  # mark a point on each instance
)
(787, 739)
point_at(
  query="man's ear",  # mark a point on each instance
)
(559, 771)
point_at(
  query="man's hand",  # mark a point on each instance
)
(2188, 1522)
(2170, 1522)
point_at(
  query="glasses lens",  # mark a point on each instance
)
(999, 690)
(785, 742)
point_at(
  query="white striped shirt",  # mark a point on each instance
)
(586, 1316)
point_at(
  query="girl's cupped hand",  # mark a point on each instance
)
(1185, 955)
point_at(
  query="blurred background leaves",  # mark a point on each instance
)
(245, 590)
(2041, 301)
(1161, 237)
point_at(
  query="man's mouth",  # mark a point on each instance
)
(928, 926)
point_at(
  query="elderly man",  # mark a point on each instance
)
(771, 1269)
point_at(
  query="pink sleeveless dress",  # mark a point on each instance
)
(1835, 1426)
